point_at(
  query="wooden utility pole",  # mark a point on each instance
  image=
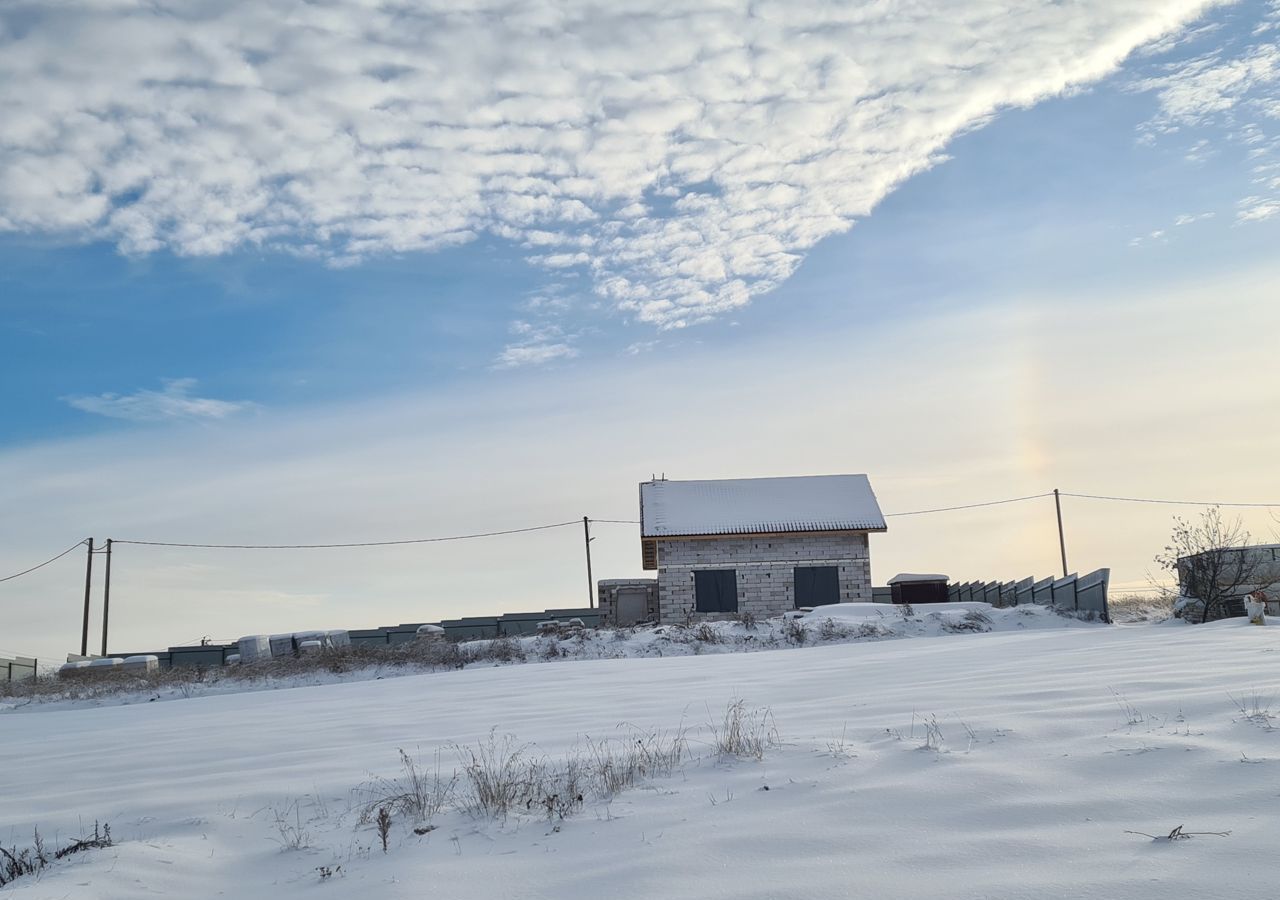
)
(88, 584)
(591, 584)
(106, 599)
(1062, 541)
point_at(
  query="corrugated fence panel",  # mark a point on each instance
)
(19, 668)
(1063, 592)
(1091, 593)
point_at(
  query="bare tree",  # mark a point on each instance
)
(1214, 562)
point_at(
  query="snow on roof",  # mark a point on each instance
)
(759, 505)
(908, 578)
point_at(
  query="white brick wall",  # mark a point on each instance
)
(607, 596)
(765, 569)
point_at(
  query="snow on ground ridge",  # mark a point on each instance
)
(837, 623)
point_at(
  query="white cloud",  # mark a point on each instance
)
(1235, 91)
(1195, 92)
(1191, 219)
(173, 402)
(534, 354)
(684, 156)
(1257, 209)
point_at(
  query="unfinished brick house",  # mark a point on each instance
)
(749, 545)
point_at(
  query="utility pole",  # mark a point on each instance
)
(591, 584)
(106, 599)
(1062, 541)
(88, 584)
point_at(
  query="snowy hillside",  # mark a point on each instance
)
(995, 765)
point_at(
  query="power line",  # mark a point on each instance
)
(920, 512)
(1170, 502)
(916, 512)
(45, 563)
(484, 534)
(430, 540)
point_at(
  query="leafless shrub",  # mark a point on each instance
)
(933, 738)
(795, 631)
(27, 861)
(383, 821)
(973, 620)
(287, 820)
(496, 772)
(744, 733)
(496, 650)
(99, 840)
(186, 680)
(831, 630)
(558, 790)
(747, 620)
(618, 764)
(15, 863)
(1153, 607)
(705, 634)
(1178, 834)
(1255, 708)
(839, 747)
(1132, 715)
(500, 777)
(417, 793)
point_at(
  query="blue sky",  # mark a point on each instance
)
(1096, 197)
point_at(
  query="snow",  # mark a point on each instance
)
(838, 623)
(1007, 618)
(1055, 741)
(758, 505)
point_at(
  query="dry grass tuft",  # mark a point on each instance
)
(744, 733)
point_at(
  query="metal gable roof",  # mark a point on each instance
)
(759, 505)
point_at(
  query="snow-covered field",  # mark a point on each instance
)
(1007, 764)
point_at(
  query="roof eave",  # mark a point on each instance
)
(869, 529)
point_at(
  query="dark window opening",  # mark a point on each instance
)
(715, 590)
(817, 585)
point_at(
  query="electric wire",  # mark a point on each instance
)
(430, 540)
(921, 512)
(534, 528)
(46, 562)
(1170, 502)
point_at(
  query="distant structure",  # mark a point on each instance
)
(17, 668)
(748, 545)
(918, 588)
(1233, 574)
